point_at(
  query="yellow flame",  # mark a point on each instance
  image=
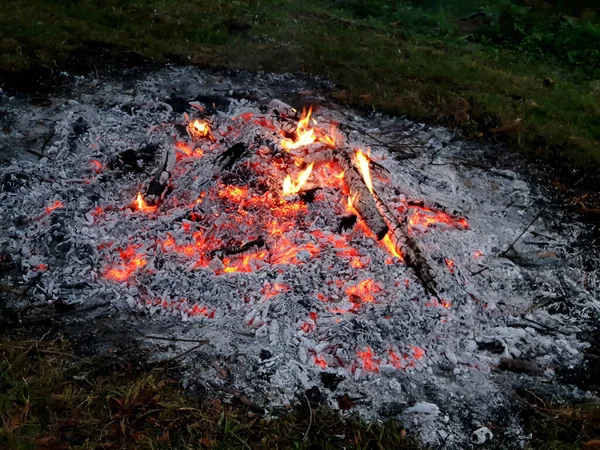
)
(292, 187)
(140, 201)
(304, 134)
(363, 164)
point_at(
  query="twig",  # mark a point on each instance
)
(181, 355)
(36, 153)
(480, 271)
(310, 418)
(167, 338)
(511, 246)
(236, 394)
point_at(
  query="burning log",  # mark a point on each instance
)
(158, 185)
(362, 200)
(407, 246)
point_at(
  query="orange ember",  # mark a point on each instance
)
(417, 352)
(364, 291)
(57, 204)
(96, 165)
(293, 187)
(477, 254)
(369, 361)
(428, 218)
(450, 264)
(319, 361)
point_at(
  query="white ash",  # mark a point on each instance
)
(446, 380)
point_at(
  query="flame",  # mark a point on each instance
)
(199, 128)
(369, 361)
(235, 194)
(304, 133)
(57, 204)
(390, 247)
(141, 205)
(363, 164)
(292, 187)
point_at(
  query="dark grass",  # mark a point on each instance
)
(405, 57)
(52, 399)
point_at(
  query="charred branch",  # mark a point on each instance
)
(236, 250)
(227, 159)
(157, 189)
(132, 160)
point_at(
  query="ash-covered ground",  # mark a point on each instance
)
(289, 300)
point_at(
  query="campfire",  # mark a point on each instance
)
(313, 248)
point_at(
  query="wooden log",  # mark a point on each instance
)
(362, 200)
(158, 185)
(407, 246)
(284, 116)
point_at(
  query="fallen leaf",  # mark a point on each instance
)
(345, 402)
(508, 127)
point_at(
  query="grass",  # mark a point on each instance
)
(51, 399)
(531, 75)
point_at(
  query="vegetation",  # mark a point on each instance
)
(525, 69)
(51, 399)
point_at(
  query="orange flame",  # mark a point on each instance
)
(363, 164)
(292, 187)
(200, 129)
(390, 247)
(141, 204)
(428, 218)
(304, 133)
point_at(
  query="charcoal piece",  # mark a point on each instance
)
(155, 188)
(520, 366)
(314, 395)
(493, 346)
(331, 380)
(265, 354)
(181, 130)
(213, 103)
(237, 249)
(129, 160)
(392, 409)
(179, 104)
(347, 223)
(227, 159)
(308, 195)
(80, 127)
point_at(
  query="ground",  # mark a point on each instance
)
(525, 72)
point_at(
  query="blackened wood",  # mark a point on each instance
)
(236, 250)
(347, 223)
(407, 247)
(157, 188)
(227, 159)
(131, 160)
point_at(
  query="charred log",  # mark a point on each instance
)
(408, 247)
(227, 159)
(308, 195)
(284, 116)
(132, 160)
(362, 200)
(157, 189)
(347, 223)
(236, 250)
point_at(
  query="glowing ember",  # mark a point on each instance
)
(292, 187)
(428, 218)
(199, 129)
(319, 361)
(57, 204)
(304, 133)
(96, 165)
(42, 267)
(417, 352)
(478, 254)
(450, 264)
(141, 205)
(363, 164)
(364, 291)
(369, 361)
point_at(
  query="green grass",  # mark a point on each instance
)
(405, 57)
(51, 399)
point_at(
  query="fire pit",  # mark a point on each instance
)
(387, 265)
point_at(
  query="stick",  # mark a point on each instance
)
(236, 394)
(511, 246)
(310, 418)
